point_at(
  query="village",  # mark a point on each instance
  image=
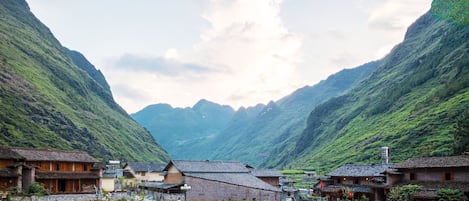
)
(75, 175)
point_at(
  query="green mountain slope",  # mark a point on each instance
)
(411, 103)
(180, 130)
(278, 125)
(51, 97)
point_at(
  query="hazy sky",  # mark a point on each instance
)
(233, 52)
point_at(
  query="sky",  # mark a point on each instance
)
(232, 52)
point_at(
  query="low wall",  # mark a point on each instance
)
(68, 197)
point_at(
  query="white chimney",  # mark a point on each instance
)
(385, 155)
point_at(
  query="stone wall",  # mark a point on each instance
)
(67, 197)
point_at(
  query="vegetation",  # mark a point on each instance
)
(402, 193)
(449, 195)
(37, 189)
(51, 97)
(410, 103)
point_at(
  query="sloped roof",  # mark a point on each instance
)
(240, 179)
(266, 173)
(52, 155)
(435, 162)
(7, 153)
(359, 170)
(30, 154)
(187, 166)
(146, 166)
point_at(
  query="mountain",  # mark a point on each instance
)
(278, 125)
(411, 103)
(249, 134)
(52, 97)
(180, 129)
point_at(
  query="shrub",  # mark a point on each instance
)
(37, 189)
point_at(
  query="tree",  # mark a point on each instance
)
(461, 135)
(402, 193)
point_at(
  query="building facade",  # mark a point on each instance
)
(215, 180)
(356, 181)
(59, 171)
(432, 174)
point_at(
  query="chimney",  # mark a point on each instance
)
(385, 155)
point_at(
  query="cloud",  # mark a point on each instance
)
(159, 65)
(397, 14)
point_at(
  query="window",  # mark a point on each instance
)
(447, 176)
(85, 167)
(57, 167)
(143, 173)
(355, 181)
(412, 176)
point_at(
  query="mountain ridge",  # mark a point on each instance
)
(52, 97)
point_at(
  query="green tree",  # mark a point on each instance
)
(402, 193)
(37, 189)
(461, 135)
(449, 195)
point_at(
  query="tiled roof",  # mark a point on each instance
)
(339, 187)
(146, 166)
(266, 173)
(7, 153)
(434, 162)
(359, 170)
(52, 155)
(187, 166)
(240, 179)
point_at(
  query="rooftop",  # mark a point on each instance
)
(30, 154)
(435, 162)
(187, 166)
(359, 170)
(146, 166)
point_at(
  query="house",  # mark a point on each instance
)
(145, 171)
(59, 171)
(432, 174)
(356, 180)
(112, 175)
(269, 176)
(215, 180)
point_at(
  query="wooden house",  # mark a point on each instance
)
(432, 174)
(216, 180)
(145, 171)
(356, 180)
(59, 171)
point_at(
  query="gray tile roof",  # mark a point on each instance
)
(30, 154)
(146, 166)
(435, 162)
(187, 166)
(240, 179)
(359, 170)
(266, 173)
(7, 153)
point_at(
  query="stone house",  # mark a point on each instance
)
(216, 180)
(145, 171)
(359, 180)
(432, 174)
(59, 171)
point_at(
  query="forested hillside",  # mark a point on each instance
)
(414, 102)
(52, 97)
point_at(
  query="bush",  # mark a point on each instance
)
(449, 195)
(37, 189)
